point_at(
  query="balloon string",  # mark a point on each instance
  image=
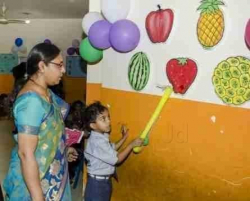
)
(162, 87)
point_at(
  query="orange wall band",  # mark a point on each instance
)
(6, 83)
(189, 157)
(93, 93)
(74, 88)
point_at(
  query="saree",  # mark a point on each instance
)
(35, 116)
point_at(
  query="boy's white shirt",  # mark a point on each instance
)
(100, 154)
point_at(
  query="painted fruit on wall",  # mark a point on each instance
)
(181, 73)
(247, 34)
(211, 25)
(139, 70)
(159, 24)
(231, 80)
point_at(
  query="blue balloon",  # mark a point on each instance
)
(19, 42)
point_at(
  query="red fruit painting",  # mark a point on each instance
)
(181, 73)
(247, 34)
(159, 24)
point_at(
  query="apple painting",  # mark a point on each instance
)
(159, 24)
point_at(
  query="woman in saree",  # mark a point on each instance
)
(38, 168)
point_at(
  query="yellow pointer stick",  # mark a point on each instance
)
(155, 115)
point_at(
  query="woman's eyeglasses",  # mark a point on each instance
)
(59, 65)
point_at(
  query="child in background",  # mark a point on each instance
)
(101, 155)
(75, 136)
(74, 124)
(75, 118)
(4, 106)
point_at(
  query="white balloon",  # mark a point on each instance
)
(114, 10)
(89, 19)
(14, 49)
(23, 49)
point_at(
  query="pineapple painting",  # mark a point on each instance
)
(210, 27)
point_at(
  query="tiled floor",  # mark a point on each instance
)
(6, 145)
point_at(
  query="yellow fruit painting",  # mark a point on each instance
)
(211, 25)
(231, 80)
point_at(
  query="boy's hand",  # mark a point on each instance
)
(138, 142)
(124, 131)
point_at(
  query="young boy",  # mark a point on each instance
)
(100, 154)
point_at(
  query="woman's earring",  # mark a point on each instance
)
(26, 76)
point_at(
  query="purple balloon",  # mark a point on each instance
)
(47, 41)
(124, 35)
(99, 34)
(71, 50)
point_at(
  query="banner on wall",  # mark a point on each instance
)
(7, 62)
(76, 67)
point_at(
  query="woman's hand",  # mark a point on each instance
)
(72, 154)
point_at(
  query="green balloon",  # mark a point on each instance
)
(89, 53)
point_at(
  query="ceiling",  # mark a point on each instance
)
(46, 9)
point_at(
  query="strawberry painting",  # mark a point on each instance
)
(159, 24)
(181, 73)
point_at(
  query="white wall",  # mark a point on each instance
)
(94, 74)
(60, 31)
(181, 43)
